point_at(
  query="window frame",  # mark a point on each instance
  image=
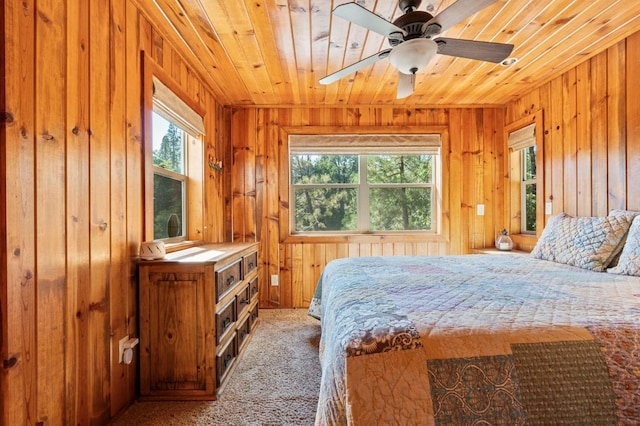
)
(182, 177)
(440, 201)
(363, 188)
(514, 199)
(524, 183)
(194, 161)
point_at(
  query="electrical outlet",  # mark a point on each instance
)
(548, 207)
(480, 209)
(274, 280)
(121, 344)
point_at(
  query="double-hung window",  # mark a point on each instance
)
(364, 183)
(176, 132)
(522, 145)
(169, 178)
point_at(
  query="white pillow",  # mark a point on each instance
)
(629, 261)
(586, 242)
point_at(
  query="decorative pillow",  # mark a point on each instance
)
(616, 212)
(586, 242)
(629, 262)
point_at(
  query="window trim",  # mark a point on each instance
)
(182, 177)
(513, 200)
(363, 188)
(523, 189)
(194, 159)
(440, 233)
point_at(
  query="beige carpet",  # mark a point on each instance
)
(276, 382)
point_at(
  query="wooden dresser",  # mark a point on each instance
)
(197, 309)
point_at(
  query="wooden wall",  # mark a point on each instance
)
(591, 130)
(591, 159)
(72, 216)
(473, 164)
(72, 179)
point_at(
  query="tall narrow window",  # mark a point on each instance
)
(522, 144)
(364, 183)
(169, 179)
(177, 162)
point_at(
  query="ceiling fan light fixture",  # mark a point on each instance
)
(412, 56)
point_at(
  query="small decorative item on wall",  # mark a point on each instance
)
(215, 164)
(504, 242)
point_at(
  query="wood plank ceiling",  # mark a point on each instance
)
(273, 52)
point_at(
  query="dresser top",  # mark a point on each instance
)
(206, 253)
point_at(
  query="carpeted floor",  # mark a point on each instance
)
(276, 382)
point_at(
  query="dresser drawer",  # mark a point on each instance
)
(250, 262)
(243, 332)
(226, 278)
(253, 317)
(224, 359)
(253, 288)
(243, 299)
(225, 319)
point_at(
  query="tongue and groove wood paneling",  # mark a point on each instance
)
(72, 212)
(71, 161)
(591, 132)
(473, 162)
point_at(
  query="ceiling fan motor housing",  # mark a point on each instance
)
(409, 5)
(412, 23)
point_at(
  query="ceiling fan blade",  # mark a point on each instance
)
(471, 49)
(406, 85)
(362, 16)
(354, 67)
(455, 13)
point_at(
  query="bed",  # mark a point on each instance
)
(485, 339)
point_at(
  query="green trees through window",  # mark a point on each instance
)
(362, 193)
(168, 179)
(529, 188)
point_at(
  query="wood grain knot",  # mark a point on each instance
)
(9, 363)
(6, 117)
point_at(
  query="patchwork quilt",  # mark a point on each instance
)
(476, 340)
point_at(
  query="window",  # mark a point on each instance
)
(174, 157)
(528, 189)
(169, 179)
(364, 183)
(522, 144)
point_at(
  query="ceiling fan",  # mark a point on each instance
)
(414, 42)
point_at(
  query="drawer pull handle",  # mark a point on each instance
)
(227, 360)
(244, 301)
(250, 265)
(254, 290)
(226, 322)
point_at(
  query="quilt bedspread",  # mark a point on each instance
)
(476, 340)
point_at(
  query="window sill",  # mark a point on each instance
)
(171, 247)
(524, 242)
(364, 238)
